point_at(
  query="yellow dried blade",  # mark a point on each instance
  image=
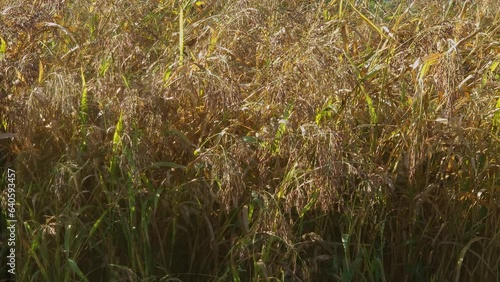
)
(368, 21)
(40, 71)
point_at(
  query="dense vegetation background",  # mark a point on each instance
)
(253, 140)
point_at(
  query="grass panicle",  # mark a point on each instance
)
(252, 140)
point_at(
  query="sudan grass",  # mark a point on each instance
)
(253, 140)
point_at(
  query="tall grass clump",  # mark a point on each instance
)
(252, 140)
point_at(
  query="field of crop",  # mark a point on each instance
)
(272, 140)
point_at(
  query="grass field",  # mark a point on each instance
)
(245, 140)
